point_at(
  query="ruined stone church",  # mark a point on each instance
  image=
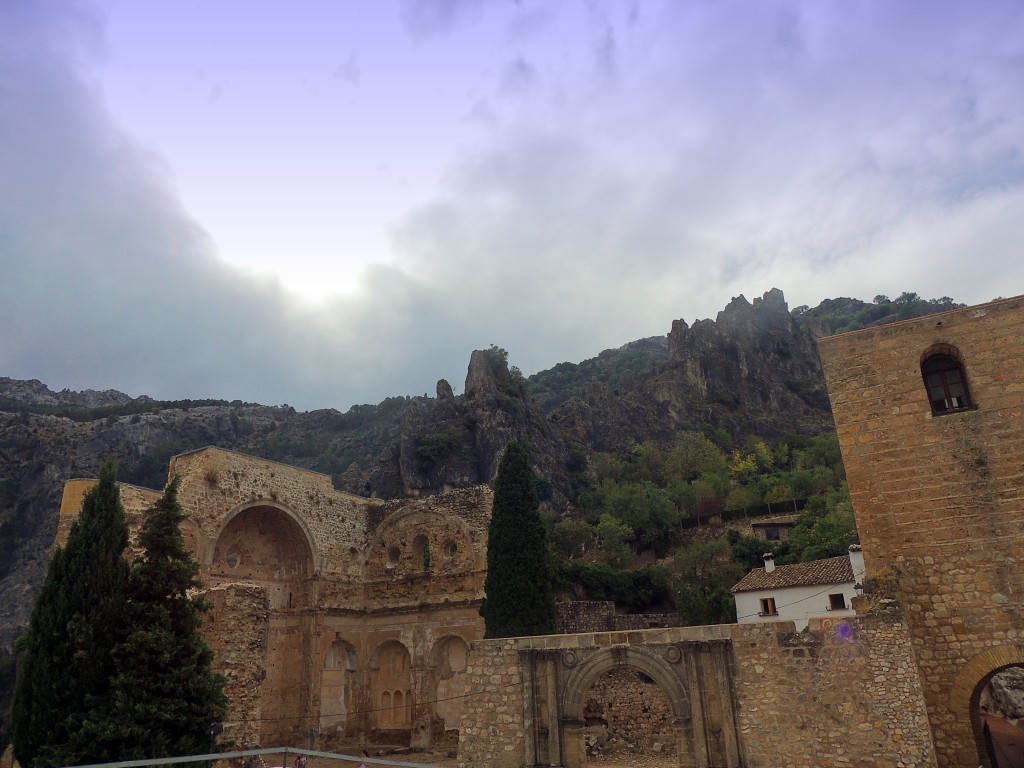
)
(336, 619)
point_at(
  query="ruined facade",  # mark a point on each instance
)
(930, 414)
(844, 692)
(336, 619)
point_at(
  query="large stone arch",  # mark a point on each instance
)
(656, 667)
(281, 507)
(965, 693)
(264, 544)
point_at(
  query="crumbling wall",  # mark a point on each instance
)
(841, 693)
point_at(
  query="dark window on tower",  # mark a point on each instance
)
(946, 384)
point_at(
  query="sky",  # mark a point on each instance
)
(327, 203)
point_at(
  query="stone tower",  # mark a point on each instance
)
(930, 415)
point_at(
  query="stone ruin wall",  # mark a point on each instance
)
(627, 711)
(844, 692)
(578, 616)
(335, 619)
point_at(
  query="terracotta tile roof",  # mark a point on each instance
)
(833, 570)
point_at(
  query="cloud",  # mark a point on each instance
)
(348, 72)
(106, 281)
(426, 19)
(824, 149)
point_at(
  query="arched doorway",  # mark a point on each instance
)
(391, 689)
(627, 715)
(263, 544)
(983, 695)
(1000, 708)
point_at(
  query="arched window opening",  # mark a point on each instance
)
(946, 384)
(421, 550)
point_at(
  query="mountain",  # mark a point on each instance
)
(752, 370)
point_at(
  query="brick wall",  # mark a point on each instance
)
(939, 499)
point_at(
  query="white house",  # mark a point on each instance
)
(798, 592)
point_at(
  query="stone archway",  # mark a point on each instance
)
(966, 693)
(626, 714)
(264, 545)
(391, 686)
(695, 677)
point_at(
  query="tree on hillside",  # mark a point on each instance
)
(67, 659)
(519, 599)
(164, 694)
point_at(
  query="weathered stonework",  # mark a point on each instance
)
(939, 498)
(842, 693)
(600, 616)
(336, 619)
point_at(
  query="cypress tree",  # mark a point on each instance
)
(67, 658)
(519, 599)
(164, 694)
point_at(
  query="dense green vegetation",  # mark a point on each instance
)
(519, 599)
(840, 318)
(112, 666)
(656, 504)
(554, 386)
(164, 694)
(67, 664)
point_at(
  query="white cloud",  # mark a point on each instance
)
(722, 148)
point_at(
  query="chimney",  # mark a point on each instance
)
(769, 562)
(857, 565)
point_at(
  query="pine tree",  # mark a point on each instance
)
(164, 692)
(519, 597)
(67, 657)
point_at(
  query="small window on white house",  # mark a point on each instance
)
(768, 607)
(837, 602)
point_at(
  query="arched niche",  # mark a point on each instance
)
(582, 677)
(415, 542)
(391, 686)
(265, 544)
(448, 683)
(337, 684)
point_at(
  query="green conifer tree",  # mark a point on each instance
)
(164, 694)
(519, 597)
(67, 658)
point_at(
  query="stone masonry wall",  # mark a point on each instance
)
(492, 733)
(939, 498)
(843, 693)
(577, 616)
